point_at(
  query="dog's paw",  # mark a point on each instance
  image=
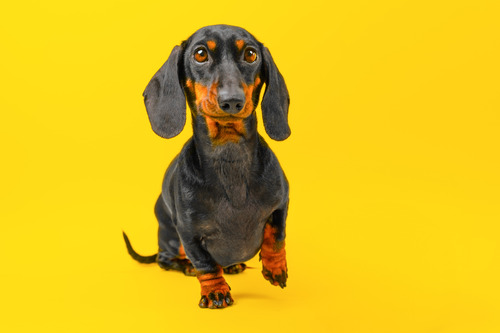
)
(235, 269)
(274, 268)
(216, 300)
(189, 270)
(277, 278)
(176, 264)
(214, 291)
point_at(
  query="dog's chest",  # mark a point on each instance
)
(234, 234)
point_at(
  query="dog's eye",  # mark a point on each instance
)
(250, 55)
(201, 54)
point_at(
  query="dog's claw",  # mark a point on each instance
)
(212, 301)
(282, 279)
(229, 299)
(203, 302)
(221, 300)
(216, 301)
(277, 279)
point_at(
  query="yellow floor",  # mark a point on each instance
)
(393, 165)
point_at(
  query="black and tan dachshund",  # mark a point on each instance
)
(225, 196)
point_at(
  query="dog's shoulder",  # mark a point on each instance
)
(270, 173)
(189, 167)
(268, 162)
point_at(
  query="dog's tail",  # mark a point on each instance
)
(137, 256)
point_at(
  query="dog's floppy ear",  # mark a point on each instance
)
(164, 98)
(275, 101)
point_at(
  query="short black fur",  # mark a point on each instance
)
(217, 198)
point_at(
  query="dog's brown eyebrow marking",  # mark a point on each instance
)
(257, 81)
(239, 44)
(211, 45)
(189, 84)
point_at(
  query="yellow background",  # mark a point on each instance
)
(393, 164)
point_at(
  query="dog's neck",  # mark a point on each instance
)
(230, 162)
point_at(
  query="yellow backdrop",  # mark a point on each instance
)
(393, 164)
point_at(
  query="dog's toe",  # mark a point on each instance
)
(216, 300)
(276, 277)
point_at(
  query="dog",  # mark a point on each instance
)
(225, 196)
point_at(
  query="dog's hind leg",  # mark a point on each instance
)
(171, 255)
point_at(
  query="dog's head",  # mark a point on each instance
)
(220, 70)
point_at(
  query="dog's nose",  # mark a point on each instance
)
(231, 102)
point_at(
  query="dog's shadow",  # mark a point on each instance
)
(258, 296)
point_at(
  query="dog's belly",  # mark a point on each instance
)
(237, 236)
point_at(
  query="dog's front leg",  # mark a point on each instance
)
(214, 288)
(272, 252)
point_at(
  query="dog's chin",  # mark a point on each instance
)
(225, 130)
(229, 133)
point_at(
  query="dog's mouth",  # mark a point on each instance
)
(229, 129)
(225, 129)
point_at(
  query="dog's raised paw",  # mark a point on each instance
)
(276, 279)
(274, 268)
